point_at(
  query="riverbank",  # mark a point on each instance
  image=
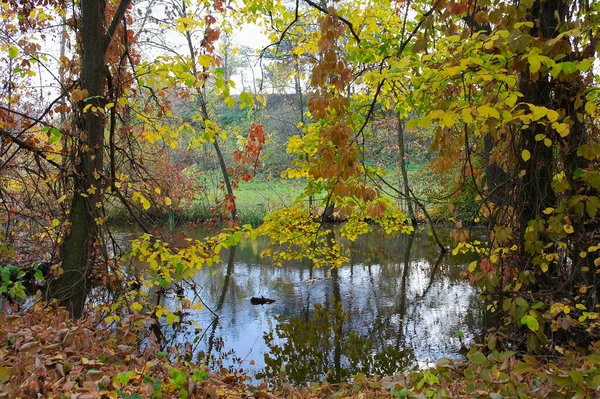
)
(44, 353)
(257, 198)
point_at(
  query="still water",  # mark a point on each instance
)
(395, 305)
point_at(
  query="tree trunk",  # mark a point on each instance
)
(536, 193)
(411, 210)
(200, 94)
(71, 287)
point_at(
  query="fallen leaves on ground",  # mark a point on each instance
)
(46, 354)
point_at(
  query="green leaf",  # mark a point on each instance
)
(568, 67)
(531, 322)
(123, 377)
(521, 367)
(594, 358)
(584, 65)
(576, 376)
(587, 151)
(39, 275)
(468, 373)
(522, 303)
(477, 358)
(578, 173)
(18, 291)
(591, 206)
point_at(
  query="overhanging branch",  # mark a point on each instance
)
(23, 144)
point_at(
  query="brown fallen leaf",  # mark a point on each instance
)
(30, 347)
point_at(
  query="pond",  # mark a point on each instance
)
(394, 306)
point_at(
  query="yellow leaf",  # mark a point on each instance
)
(590, 107)
(511, 100)
(62, 198)
(157, 190)
(552, 115)
(561, 128)
(13, 52)
(55, 222)
(168, 201)
(137, 306)
(171, 318)
(5, 374)
(556, 308)
(448, 119)
(486, 110)
(526, 155)
(538, 112)
(472, 266)
(205, 60)
(568, 228)
(466, 114)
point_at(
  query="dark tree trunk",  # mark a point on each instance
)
(535, 192)
(71, 287)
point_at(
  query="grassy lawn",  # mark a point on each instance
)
(257, 198)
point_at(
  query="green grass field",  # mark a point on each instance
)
(257, 198)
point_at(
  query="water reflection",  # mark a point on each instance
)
(396, 304)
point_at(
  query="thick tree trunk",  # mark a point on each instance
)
(71, 287)
(535, 192)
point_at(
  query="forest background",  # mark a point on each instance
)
(388, 113)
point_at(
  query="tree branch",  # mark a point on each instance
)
(115, 22)
(30, 148)
(344, 20)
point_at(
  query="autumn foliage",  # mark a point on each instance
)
(505, 93)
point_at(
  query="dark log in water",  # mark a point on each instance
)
(261, 301)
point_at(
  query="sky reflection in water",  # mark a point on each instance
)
(395, 293)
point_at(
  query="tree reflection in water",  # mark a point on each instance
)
(303, 350)
(395, 304)
(316, 345)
